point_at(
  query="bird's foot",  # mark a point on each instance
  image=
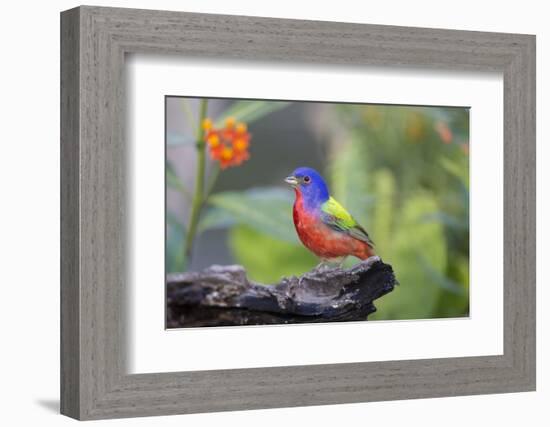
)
(329, 264)
(319, 268)
(340, 263)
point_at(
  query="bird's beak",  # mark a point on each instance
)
(292, 181)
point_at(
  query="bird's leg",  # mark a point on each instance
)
(319, 267)
(326, 264)
(341, 262)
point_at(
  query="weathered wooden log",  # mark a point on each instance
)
(223, 296)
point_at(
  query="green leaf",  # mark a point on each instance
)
(265, 209)
(419, 290)
(176, 138)
(189, 116)
(250, 111)
(384, 210)
(456, 304)
(266, 258)
(172, 180)
(442, 280)
(215, 218)
(448, 220)
(349, 179)
(175, 236)
(460, 171)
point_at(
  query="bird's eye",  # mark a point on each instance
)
(307, 179)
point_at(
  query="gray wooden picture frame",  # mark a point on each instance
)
(94, 41)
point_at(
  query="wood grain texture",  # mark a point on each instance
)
(70, 292)
(94, 240)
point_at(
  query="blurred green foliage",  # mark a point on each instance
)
(412, 162)
(281, 258)
(402, 172)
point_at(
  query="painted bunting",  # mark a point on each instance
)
(323, 225)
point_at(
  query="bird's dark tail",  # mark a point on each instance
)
(365, 252)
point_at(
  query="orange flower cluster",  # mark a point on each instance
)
(228, 145)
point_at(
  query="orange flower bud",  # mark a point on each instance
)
(241, 127)
(240, 144)
(213, 140)
(227, 153)
(207, 124)
(230, 122)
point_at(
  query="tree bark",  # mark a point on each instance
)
(223, 296)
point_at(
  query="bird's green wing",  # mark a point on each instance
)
(337, 217)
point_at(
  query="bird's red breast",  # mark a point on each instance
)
(322, 240)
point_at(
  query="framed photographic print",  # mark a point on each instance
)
(262, 213)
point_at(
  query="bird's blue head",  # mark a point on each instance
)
(310, 185)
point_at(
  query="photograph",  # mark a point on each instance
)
(270, 204)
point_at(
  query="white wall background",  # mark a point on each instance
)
(29, 225)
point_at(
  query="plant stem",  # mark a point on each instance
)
(214, 173)
(198, 196)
